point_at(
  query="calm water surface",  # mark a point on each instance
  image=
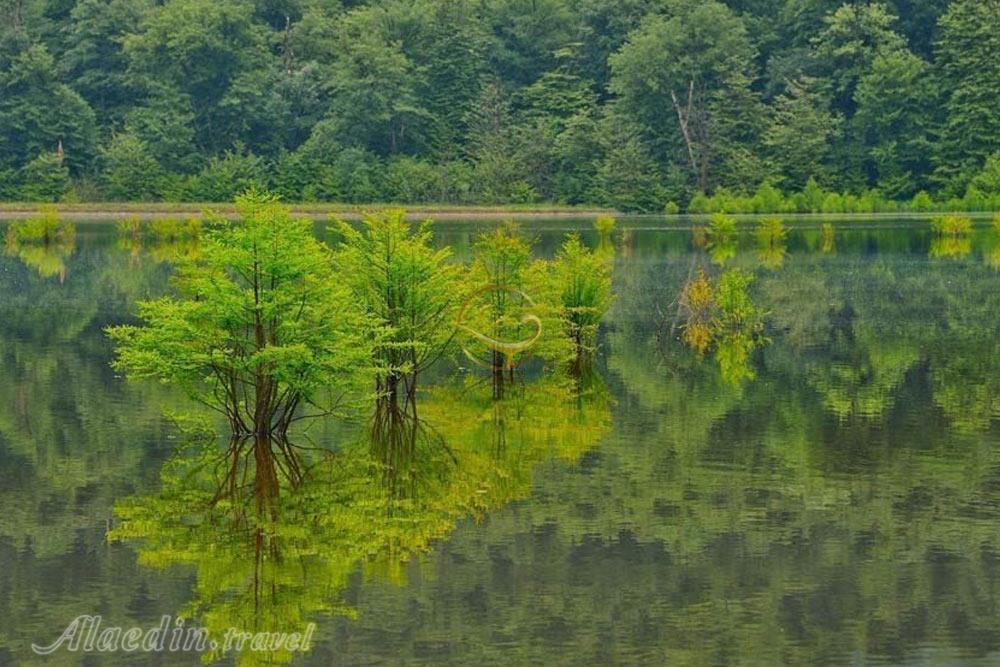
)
(835, 500)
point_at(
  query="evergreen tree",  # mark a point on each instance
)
(44, 179)
(968, 70)
(37, 112)
(798, 139)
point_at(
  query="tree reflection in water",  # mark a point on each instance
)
(273, 546)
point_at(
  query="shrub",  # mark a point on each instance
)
(409, 180)
(226, 176)
(130, 226)
(604, 224)
(951, 225)
(172, 229)
(585, 280)
(722, 226)
(130, 172)
(768, 199)
(771, 231)
(921, 202)
(45, 228)
(671, 208)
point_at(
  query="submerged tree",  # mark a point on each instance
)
(261, 331)
(514, 310)
(502, 260)
(585, 279)
(410, 291)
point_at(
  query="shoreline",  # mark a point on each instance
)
(104, 212)
(152, 211)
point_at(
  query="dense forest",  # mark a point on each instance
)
(632, 104)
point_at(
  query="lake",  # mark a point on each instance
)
(828, 495)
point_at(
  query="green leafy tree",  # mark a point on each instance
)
(498, 149)
(165, 123)
(409, 290)
(627, 177)
(737, 122)
(852, 37)
(373, 89)
(94, 59)
(262, 330)
(987, 181)
(584, 276)
(198, 49)
(226, 176)
(677, 61)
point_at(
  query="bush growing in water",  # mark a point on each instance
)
(604, 225)
(829, 238)
(722, 226)
(131, 227)
(771, 231)
(951, 225)
(722, 318)
(172, 229)
(585, 279)
(46, 228)
(814, 199)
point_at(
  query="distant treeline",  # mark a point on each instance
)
(634, 104)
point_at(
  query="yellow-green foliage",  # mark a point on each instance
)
(585, 280)
(950, 247)
(996, 221)
(771, 235)
(130, 226)
(722, 226)
(514, 307)
(951, 225)
(172, 229)
(411, 289)
(699, 236)
(671, 208)
(722, 318)
(722, 238)
(604, 224)
(45, 228)
(771, 231)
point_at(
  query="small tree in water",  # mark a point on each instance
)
(502, 259)
(585, 279)
(261, 330)
(409, 290)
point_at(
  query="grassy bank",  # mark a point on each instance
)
(153, 210)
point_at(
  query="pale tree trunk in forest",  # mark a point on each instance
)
(694, 129)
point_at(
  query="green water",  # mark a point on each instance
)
(835, 503)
